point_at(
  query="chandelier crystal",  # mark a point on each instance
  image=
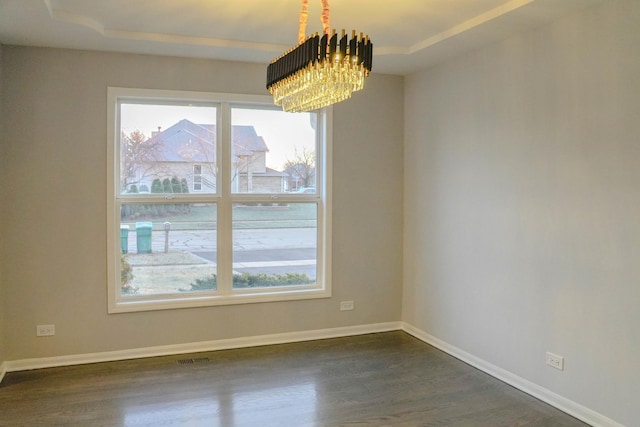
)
(320, 70)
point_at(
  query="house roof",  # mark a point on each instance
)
(273, 172)
(190, 142)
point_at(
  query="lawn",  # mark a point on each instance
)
(203, 217)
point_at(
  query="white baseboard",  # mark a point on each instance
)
(166, 350)
(572, 408)
(568, 406)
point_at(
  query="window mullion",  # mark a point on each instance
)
(225, 236)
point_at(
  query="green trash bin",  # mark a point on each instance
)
(124, 238)
(143, 237)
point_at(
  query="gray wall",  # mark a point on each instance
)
(54, 178)
(522, 205)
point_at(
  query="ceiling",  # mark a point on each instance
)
(408, 35)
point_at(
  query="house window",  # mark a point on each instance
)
(197, 177)
(244, 233)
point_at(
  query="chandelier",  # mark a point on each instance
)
(320, 70)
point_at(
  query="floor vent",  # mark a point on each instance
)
(192, 361)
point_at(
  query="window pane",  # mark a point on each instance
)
(274, 244)
(197, 177)
(272, 151)
(159, 143)
(167, 248)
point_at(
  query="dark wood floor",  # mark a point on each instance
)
(386, 379)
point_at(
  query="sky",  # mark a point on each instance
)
(281, 131)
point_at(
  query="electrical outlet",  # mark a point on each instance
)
(346, 305)
(45, 330)
(555, 361)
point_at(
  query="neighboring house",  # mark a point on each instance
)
(187, 151)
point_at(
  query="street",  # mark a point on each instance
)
(270, 251)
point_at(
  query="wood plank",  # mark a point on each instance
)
(384, 379)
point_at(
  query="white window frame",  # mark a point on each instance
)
(225, 294)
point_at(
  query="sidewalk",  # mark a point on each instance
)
(268, 251)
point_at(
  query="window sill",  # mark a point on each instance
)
(171, 302)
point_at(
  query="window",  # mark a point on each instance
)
(205, 206)
(197, 177)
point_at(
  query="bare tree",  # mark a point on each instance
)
(201, 151)
(137, 158)
(302, 169)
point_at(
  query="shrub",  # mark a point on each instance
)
(156, 186)
(126, 275)
(184, 185)
(166, 186)
(175, 185)
(207, 284)
(183, 188)
(248, 280)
